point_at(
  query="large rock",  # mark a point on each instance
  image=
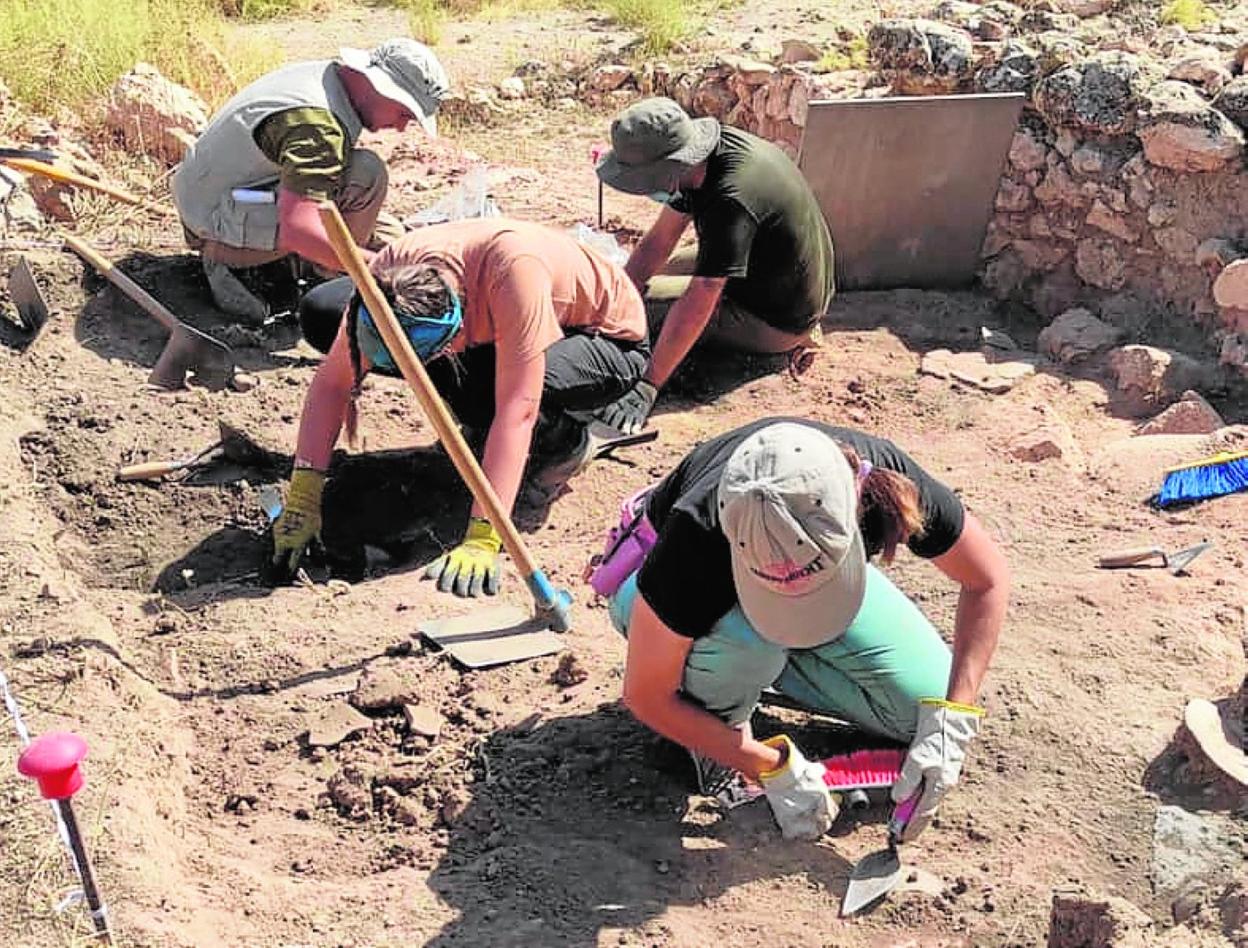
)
(609, 78)
(1149, 375)
(1085, 8)
(1076, 335)
(1203, 67)
(1078, 919)
(18, 210)
(921, 56)
(154, 115)
(1182, 132)
(1233, 102)
(977, 369)
(1230, 289)
(1027, 150)
(1098, 95)
(1101, 263)
(1191, 414)
(1013, 70)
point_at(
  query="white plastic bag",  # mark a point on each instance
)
(470, 198)
(604, 244)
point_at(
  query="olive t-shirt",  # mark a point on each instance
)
(309, 145)
(687, 578)
(759, 225)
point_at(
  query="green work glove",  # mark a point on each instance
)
(473, 566)
(299, 523)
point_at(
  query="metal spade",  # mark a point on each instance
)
(877, 874)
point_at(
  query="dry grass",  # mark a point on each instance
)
(66, 53)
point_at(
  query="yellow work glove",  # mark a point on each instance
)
(473, 566)
(299, 523)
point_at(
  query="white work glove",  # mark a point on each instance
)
(798, 796)
(935, 758)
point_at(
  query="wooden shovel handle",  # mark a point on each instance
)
(150, 304)
(151, 470)
(1132, 557)
(30, 166)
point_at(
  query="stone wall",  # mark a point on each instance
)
(1125, 190)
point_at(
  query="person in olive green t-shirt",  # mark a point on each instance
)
(761, 278)
(249, 187)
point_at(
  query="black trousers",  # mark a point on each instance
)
(583, 371)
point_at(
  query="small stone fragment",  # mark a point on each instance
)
(1076, 335)
(423, 720)
(335, 725)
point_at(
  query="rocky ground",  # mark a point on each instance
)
(296, 766)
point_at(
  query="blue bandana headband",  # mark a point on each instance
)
(429, 335)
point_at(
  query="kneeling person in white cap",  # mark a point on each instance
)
(248, 188)
(758, 577)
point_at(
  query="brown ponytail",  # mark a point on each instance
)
(890, 499)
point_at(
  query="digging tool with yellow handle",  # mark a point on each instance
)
(64, 175)
(553, 605)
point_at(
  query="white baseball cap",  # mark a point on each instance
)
(403, 71)
(788, 504)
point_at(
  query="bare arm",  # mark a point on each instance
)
(517, 393)
(300, 231)
(656, 246)
(976, 563)
(683, 326)
(652, 677)
(325, 406)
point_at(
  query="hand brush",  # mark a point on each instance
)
(1217, 476)
(864, 769)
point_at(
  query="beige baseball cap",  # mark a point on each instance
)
(403, 71)
(788, 504)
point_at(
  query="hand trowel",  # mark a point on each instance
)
(877, 874)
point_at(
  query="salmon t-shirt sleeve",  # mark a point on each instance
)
(522, 310)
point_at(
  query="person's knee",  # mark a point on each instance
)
(620, 604)
(366, 175)
(727, 670)
(320, 312)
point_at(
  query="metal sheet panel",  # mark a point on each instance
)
(907, 184)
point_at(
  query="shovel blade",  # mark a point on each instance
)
(873, 878)
(31, 308)
(188, 349)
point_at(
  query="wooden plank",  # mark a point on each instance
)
(907, 184)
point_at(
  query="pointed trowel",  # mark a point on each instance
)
(877, 874)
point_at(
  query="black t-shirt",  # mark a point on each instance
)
(760, 226)
(687, 578)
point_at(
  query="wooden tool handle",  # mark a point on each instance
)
(150, 304)
(30, 166)
(414, 372)
(151, 470)
(1131, 557)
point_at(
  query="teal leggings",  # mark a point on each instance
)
(872, 676)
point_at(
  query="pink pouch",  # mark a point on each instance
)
(626, 547)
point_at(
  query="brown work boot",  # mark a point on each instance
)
(231, 296)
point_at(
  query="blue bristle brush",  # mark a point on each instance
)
(1217, 476)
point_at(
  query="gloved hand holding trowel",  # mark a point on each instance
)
(934, 762)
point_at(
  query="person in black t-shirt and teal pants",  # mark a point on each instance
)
(762, 276)
(759, 577)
